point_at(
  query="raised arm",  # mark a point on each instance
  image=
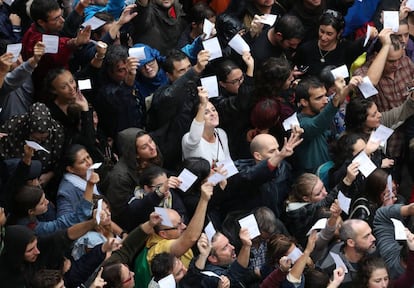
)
(377, 66)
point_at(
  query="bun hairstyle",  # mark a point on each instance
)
(333, 18)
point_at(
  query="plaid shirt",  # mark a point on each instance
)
(392, 92)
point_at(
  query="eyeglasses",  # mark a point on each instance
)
(236, 81)
(129, 278)
(150, 63)
(172, 228)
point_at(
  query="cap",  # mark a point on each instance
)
(34, 172)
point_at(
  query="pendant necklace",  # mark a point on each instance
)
(323, 55)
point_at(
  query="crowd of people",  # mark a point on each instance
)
(105, 114)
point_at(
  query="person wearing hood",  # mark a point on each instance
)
(36, 125)
(137, 151)
(150, 74)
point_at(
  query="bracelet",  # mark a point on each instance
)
(99, 58)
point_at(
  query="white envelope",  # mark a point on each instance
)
(36, 146)
(51, 42)
(250, 223)
(238, 44)
(367, 88)
(213, 46)
(8, 2)
(228, 165)
(210, 231)
(320, 224)
(98, 211)
(84, 84)
(94, 22)
(166, 221)
(211, 85)
(367, 35)
(291, 121)
(366, 166)
(391, 20)
(15, 49)
(381, 134)
(341, 71)
(187, 179)
(268, 19)
(399, 229)
(344, 202)
(338, 261)
(137, 52)
(207, 28)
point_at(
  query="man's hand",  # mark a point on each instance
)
(6, 61)
(111, 245)
(256, 26)
(294, 140)
(127, 14)
(387, 163)
(351, 173)
(311, 242)
(15, 19)
(224, 282)
(202, 61)
(83, 36)
(38, 51)
(203, 246)
(206, 191)
(154, 219)
(132, 65)
(384, 36)
(245, 237)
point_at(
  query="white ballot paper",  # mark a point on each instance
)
(137, 52)
(213, 46)
(341, 71)
(210, 231)
(167, 282)
(8, 2)
(207, 28)
(391, 20)
(366, 166)
(250, 223)
(216, 178)
(294, 255)
(187, 179)
(90, 170)
(389, 185)
(410, 4)
(98, 212)
(344, 202)
(15, 49)
(338, 261)
(36, 146)
(399, 229)
(366, 87)
(238, 44)
(51, 42)
(291, 121)
(268, 19)
(210, 273)
(94, 22)
(320, 224)
(367, 35)
(166, 221)
(228, 165)
(211, 85)
(381, 134)
(84, 84)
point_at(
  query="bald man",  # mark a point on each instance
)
(266, 172)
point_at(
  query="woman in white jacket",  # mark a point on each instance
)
(204, 139)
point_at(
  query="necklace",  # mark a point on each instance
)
(323, 55)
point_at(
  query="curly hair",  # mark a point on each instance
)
(367, 266)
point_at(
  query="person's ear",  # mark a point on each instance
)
(222, 84)
(350, 243)
(306, 198)
(69, 169)
(31, 212)
(162, 234)
(170, 76)
(303, 102)
(212, 259)
(257, 156)
(279, 36)
(41, 23)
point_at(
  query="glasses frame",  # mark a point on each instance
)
(236, 81)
